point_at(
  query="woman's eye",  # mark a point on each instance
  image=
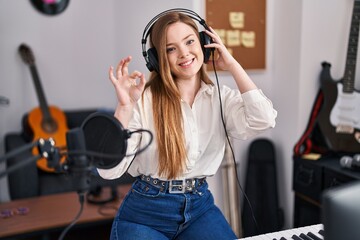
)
(171, 49)
(191, 41)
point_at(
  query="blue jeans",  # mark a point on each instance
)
(148, 214)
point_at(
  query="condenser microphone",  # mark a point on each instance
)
(78, 165)
(350, 162)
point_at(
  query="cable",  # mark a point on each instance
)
(102, 210)
(231, 148)
(111, 156)
(93, 196)
(81, 200)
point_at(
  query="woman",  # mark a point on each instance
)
(181, 107)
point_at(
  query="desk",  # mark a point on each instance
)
(310, 179)
(54, 212)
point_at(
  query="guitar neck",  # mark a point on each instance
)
(40, 93)
(350, 68)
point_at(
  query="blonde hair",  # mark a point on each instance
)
(166, 101)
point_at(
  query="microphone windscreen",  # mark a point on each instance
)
(104, 134)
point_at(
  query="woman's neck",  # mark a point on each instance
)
(188, 89)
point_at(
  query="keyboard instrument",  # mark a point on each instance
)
(312, 232)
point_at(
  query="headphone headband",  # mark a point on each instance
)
(148, 27)
(188, 12)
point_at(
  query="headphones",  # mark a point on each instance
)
(151, 56)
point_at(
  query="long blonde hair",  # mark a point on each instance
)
(166, 101)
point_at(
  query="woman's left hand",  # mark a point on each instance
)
(225, 61)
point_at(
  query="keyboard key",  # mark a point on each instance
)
(305, 237)
(313, 236)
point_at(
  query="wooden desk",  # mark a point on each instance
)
(56, 211)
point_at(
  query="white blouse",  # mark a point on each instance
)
(245, 116)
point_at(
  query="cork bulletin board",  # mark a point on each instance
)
(241, 24)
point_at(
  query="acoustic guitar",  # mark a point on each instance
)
(45, 121)
(339, 117)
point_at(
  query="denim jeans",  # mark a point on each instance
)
(148, 214)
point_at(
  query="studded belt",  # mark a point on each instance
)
(174, 186)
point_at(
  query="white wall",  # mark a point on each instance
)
(74, 50)
(286, 93)
(306, 33)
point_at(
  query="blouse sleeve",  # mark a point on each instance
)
(247, 114)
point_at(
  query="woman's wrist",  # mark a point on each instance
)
(124, 113)
(242, 79)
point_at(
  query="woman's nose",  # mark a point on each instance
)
(183, 52)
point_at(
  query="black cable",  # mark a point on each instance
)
(102, 210)
(231, 148)
(111, 156)
(92, 195)
(81, 200)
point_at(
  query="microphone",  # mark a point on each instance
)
(78, 165)
(351, 162)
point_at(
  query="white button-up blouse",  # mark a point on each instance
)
(245, 116)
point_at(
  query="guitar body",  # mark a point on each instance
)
(55, 129)
(338, 138)
(346, 111)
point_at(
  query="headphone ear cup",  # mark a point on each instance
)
(204, 40)
(153, 63)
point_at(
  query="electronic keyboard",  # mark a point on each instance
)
(312, 232)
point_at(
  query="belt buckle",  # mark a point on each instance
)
(180, 188)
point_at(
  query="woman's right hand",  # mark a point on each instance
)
(128, 90)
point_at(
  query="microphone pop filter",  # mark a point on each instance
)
(105, 135)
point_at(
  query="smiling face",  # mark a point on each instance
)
(183, 51)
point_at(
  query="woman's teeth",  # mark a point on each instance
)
(186, 63)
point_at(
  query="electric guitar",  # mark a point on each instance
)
(45, 121)
(339, 117)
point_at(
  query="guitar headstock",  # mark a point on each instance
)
(26, 54)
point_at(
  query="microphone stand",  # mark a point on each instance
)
(46, 149)
(76, 164)
(79, 166)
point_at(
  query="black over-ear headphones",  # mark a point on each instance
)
(151, 56)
